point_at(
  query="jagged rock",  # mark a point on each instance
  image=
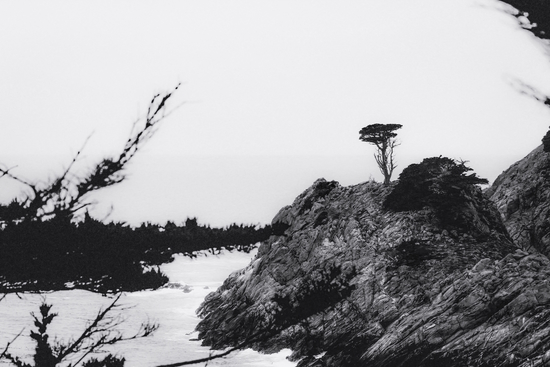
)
(546, 142)
(522, 196)
(348, 283)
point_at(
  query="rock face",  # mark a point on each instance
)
(522, 196)
(347, 283)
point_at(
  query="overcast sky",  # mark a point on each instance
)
(275, 93)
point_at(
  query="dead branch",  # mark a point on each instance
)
(67, 194)
(5, 353)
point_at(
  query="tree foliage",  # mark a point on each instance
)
(42, 245)
(106, 257)
(383, 137)
(49, 242)
(290, 310)
(441, 183)
(68, 193)
(100, 332)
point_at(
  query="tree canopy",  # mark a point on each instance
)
(442, 183)
(378, 134)
(383, 137)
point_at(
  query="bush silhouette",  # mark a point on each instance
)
(440, 183)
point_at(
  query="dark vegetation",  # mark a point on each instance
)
(100, 332)
(440, 183)
(43, 247)
(58, 254)
(49, 242)
(321, 189)
(316, 297)
(315, 294)
(295, 310)
(383, 137)
(279, 228)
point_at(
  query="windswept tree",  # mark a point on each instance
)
(62, 198)
(102, 332)
(68, 193)
(383, 137)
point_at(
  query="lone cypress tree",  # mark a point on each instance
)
(383, 137)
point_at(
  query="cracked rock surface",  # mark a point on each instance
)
(522, 196)
(402, 290)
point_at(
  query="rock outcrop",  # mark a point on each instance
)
(347, 283)
(522, 196)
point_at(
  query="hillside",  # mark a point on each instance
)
(521, 194)
(346, 282)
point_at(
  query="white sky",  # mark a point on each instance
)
(275, 92)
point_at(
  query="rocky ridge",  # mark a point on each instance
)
(522, 196)
(346, 282)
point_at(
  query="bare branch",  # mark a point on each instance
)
(246, 343)
(66, 195)
(88, 332)
(5, 353)
(529, 90)
(6, 172)
(102, 331)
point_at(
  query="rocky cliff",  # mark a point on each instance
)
(522, 196)
(346, 282)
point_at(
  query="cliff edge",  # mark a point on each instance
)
(522, 196)
(347, 282)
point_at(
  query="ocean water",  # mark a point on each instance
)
(173, 309)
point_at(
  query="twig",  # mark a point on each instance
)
(11, 342)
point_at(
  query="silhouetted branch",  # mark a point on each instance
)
(101, 331)
(5, 351)
(66, 194)
(529, 91)
(211, 357)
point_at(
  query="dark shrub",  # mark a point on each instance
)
(109, 361)
(279, 228)
(438, 182)
(321, 188)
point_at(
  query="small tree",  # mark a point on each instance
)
(440, 183)
(68, 193)
(383, 137)
(61, 199)
(103, 331)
